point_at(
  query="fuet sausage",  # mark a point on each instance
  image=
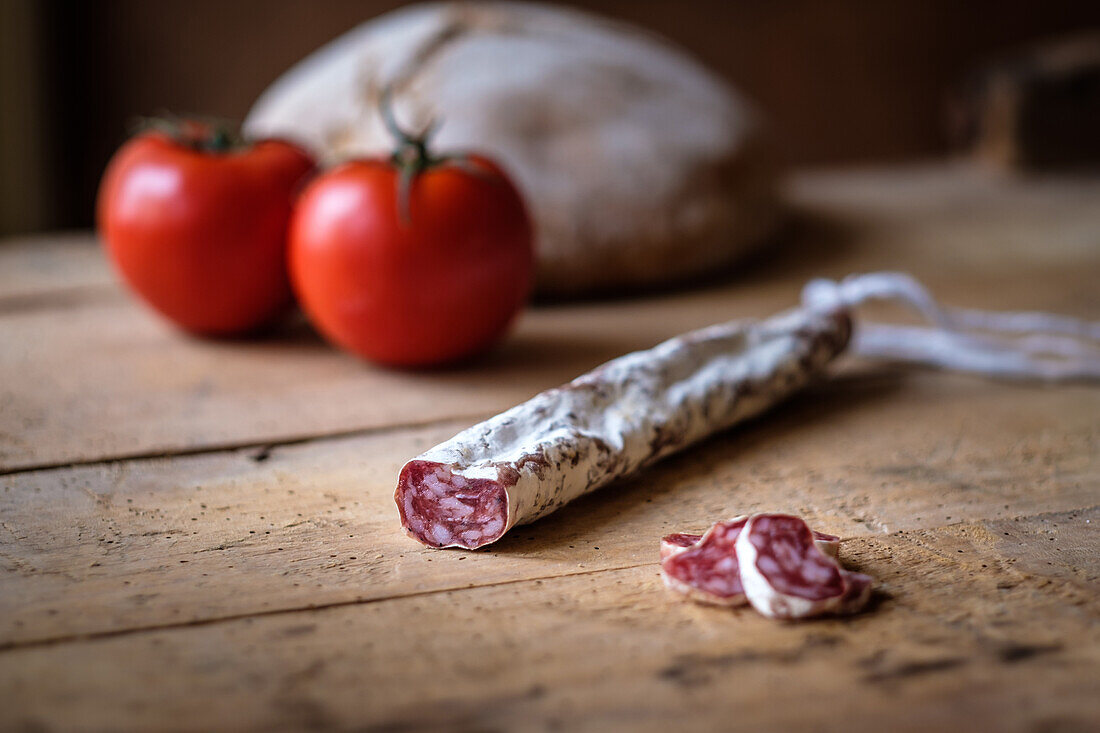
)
(626, 414)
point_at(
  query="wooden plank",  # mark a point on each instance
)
(260, 589)
(90, 379)
(960, 638)
(107, 381)
(103, 548)
(53, 271)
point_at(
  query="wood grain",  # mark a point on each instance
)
(52, 271)
(102, 384)
(609, 651)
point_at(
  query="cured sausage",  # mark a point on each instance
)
(784, 575)
(626, 414)
(673, 543)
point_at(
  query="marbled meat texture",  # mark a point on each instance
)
(784, 575)
(538, 456)
(680, 541)
(705, 567)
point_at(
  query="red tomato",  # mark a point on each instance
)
(200, 233)
(427, 281)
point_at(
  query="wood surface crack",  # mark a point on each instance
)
(27, 569)
(266, 446)
(912, 669)
(71, 297)
(9, 646)
(18, 537)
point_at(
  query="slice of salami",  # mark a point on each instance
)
(538, 456)
(785, 576)
(673, 543)
(697, 574)
(706, 571)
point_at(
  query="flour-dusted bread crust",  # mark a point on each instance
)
(641, 167)
(538, 456)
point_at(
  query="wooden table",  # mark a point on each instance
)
(200, 535)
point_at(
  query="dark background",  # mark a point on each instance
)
(843, 81)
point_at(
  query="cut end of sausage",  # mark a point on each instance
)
(444, 509)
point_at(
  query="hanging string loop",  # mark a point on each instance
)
(1021, 345)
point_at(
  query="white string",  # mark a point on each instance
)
(1024, 345)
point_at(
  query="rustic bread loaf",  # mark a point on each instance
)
(640, 167)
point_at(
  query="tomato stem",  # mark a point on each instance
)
(411, 156)
(209, 135)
